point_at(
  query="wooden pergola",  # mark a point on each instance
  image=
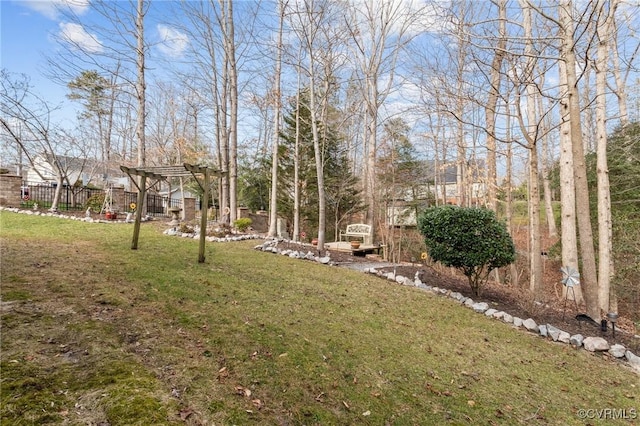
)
(162, 173)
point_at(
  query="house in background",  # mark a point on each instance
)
(433, 185)
(177, 193)
(76, 170)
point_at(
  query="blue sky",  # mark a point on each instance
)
(26, 29)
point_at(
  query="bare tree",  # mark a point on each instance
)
(379, 32)
(273, 204)
(605, 245)
(530, 131)
(26, 120)
(231, 67)
(492, 100)
(569, 231)
(309, 17)
(113, 45)
(585, 232)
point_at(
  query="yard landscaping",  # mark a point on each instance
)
(95, 333)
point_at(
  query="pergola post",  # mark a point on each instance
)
(204, 209)
(136, 225)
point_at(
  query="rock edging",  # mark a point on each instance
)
(591, 344)
(60, 215)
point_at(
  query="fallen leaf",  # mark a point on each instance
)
(241, 390)
(471, 403)
(257, 403)
(431, 388)
(345, 404)
(185, 413)
(366, 413)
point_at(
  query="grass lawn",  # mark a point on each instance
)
(95, 332)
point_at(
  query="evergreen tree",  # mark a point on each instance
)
(343, 196)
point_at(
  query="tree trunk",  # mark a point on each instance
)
(605, 246)
(569, 232)
(490, 109)
(230, 54)
(531, 132)
(546, 175)
(461, 153)
(296, 168)
(141, 88)
(621, 87)
(318, 156)
(513, 269)
(585, 233)
(273, 205)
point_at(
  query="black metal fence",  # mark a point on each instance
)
(76, 199)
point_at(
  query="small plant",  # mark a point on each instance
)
(469, 239)
(96, 202)
(186, 229)
(220, 231)
(242, 224)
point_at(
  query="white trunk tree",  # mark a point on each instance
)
(606, 12)
(589, 278)
(273, 203)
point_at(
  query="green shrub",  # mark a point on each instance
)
(469, 239)
(96, 202)
(242, 224)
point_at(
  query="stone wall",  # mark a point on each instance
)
(259, 221)
(189, 210)
(10, 190)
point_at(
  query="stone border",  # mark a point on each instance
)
(591, 344)
(70, 217)
(174, 231)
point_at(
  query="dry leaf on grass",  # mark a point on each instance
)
(241, 390)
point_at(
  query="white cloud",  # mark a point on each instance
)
(51, 8)
(75, 35)
(172, 42)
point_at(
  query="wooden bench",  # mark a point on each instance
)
(357, 230)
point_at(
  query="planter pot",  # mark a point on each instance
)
(355, 244)
(314, 242)
(111, 216)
